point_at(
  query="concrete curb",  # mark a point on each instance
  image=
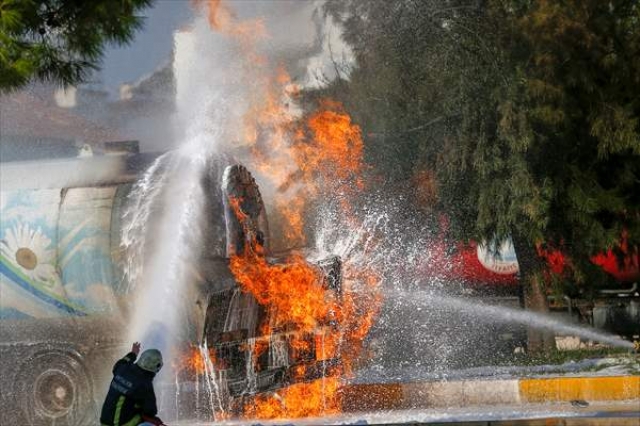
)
(394, 396)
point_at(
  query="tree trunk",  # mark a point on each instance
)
(533, 294)
(535, 297)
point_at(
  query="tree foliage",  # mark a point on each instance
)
(581, 96)
(61, 40)
(390, 91)
(527, 112)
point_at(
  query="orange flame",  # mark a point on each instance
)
(327, 150)
(321, 155)
(294, 295)
(327, 342)
(223, 20)
(304, 158)
(333, 151)
(292, 292)
(191, 361)
(300, 400)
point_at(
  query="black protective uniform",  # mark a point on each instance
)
(130, 395)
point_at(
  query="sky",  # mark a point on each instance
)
(151, 47)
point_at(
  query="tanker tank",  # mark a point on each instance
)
(67, 295)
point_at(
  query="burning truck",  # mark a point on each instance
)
(66, 298)
(252, 349)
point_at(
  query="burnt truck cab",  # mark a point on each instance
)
(248, 360)
(252, 362)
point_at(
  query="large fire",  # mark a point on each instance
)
(299, 304)
(318, 155)
(293, 291)
(307, 158)
(327, 153)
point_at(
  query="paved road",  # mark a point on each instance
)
(625, 413)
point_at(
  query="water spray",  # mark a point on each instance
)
(503, 314)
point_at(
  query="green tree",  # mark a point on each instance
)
(391, 90)
(527, 111)
(556, 158)
(61, 40)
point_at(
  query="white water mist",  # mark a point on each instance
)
(501, 314)
(161, 242)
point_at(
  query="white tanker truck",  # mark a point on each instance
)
(65, 300)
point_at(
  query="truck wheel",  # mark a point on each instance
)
(53, 387)
(250, 222)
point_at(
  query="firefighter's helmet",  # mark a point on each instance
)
(150, 360)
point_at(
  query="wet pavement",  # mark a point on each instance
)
(626, 413)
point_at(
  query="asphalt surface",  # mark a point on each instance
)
(626, 413)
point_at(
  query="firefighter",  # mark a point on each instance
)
(131, 400)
